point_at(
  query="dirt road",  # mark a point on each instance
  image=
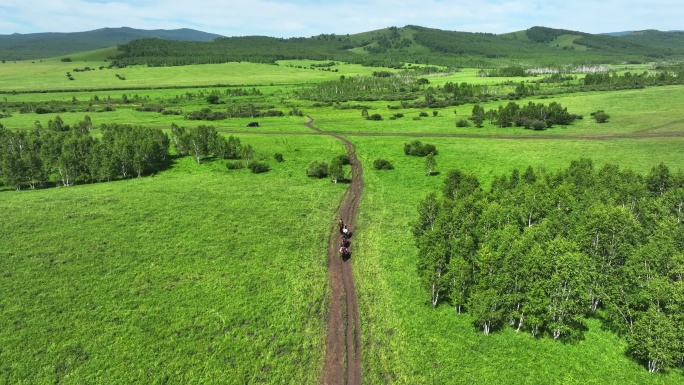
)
(343, 341)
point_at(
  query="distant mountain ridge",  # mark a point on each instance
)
(50, 44)
(391, 46)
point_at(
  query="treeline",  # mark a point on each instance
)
(388, 48)
(628, 80)
(255, 49)
(540, 252)
(415, 92)
(401, 86)
(233, 111)
(536, 116)
(204, 142)
(60, 155)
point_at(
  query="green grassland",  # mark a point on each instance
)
(654, 109)
(568, 40)
(203, 275)
(405, 340)
(198, 274)
(50, 74)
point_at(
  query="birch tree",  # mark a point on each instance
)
(432, 264)
(336, 169)
(430, 163)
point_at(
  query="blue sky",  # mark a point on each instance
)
(304, 18)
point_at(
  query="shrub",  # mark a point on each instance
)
(538, 125)
(382, 164)
(344, 159)
(374, 117)
(423, 114)
(278, 157)
(462, 123)
(416, 148)
(600, 116)
(259, 167)
(172, 112)
(235, 165)
(317, 169)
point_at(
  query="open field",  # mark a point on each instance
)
(653, 109)
(405, 340)
(198, 274)
(50, 74)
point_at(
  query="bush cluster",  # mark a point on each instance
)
(382, 164)
(417, 148)
(317, 169)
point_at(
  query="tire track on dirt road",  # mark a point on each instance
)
(343, 340)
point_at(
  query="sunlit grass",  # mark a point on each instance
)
(50, 74)
(405, 340)
(200, 275)
(195, 275)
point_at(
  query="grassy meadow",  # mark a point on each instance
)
(405, 340)
(195, 275)
(51, 74)
(203, 275)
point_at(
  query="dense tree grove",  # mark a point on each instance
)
(204, 141)
(628, 80)
(542, 251)
(393, 47)
(532, 116)
(62, 155)
(417, 148)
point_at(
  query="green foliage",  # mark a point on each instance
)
(46, 45)
(542, 252)
(336, 169)
(545, 35)
(478, 115)
(60, 155)
(417, 148)
(344, 159)
(462, 123)
(317, 169)
(278, 157)
(600, 116)
(533, 115)
(235, 165)
(430, 163)
(259, 167)
(382, 164)
(230, 148)
(458, 184)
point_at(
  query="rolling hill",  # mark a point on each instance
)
(50, 44)
(392, 47)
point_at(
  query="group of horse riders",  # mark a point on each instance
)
(345, 242)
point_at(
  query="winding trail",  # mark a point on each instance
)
(343, 341)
